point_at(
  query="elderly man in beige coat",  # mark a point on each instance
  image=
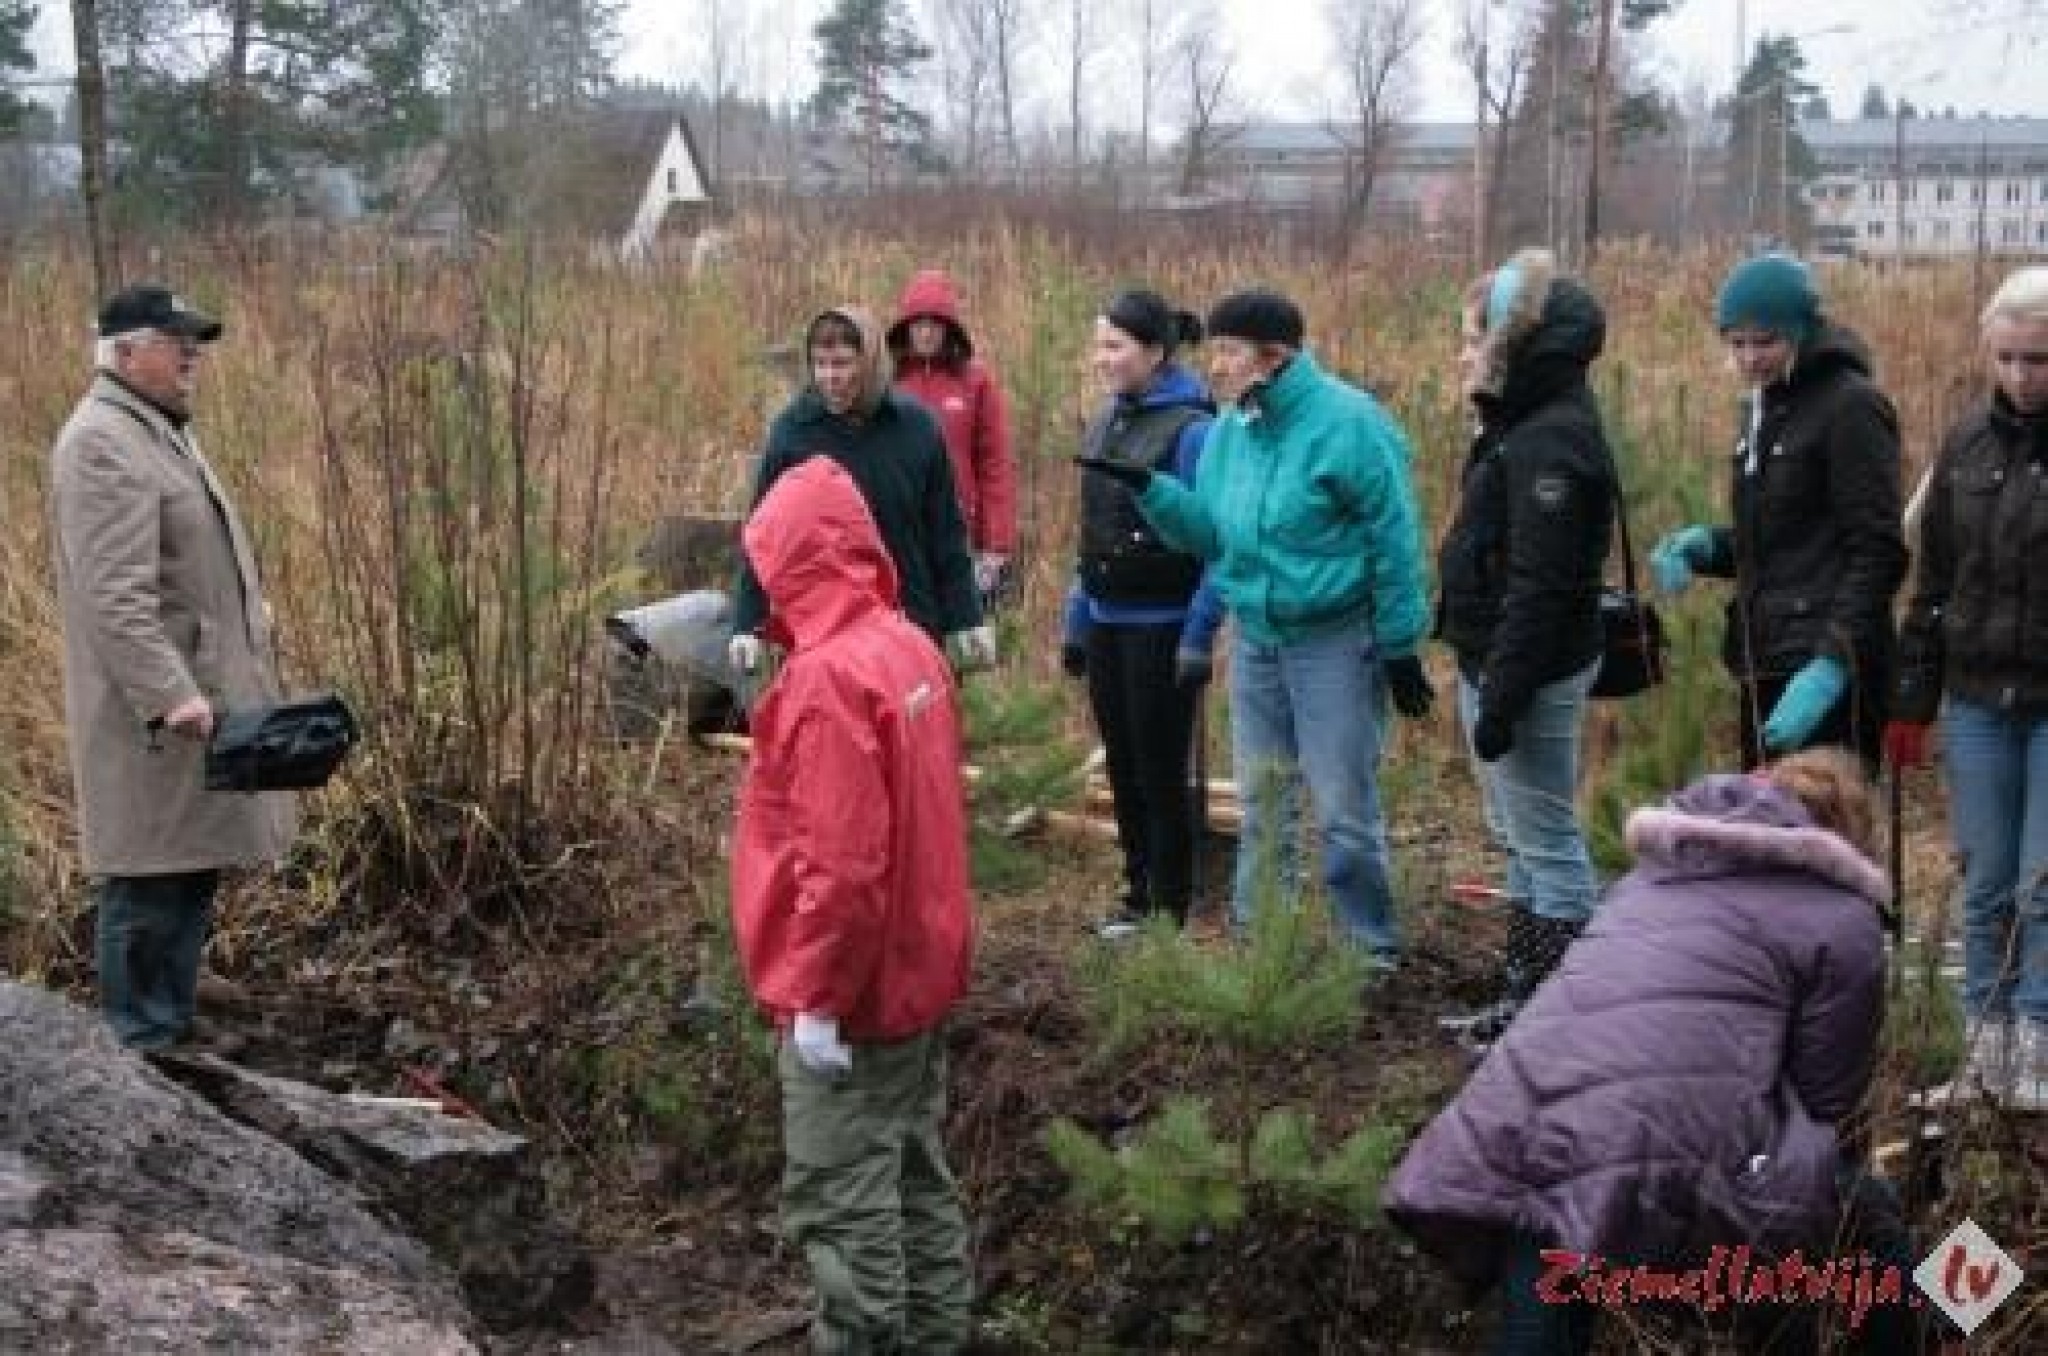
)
(164, 628)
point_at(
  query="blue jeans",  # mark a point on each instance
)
(1308, 716)
(1998, 811)
(1530, 799)
(151, 935)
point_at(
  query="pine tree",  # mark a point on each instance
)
(867, 54)
(16, 18)
(1767, 158)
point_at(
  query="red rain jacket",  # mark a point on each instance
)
(849, 876)
(963, 396)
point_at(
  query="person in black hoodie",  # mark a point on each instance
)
(1816, 550)
(1521, 570)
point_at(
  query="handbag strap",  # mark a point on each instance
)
(1628, 550)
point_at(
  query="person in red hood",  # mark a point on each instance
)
(935, 362)
(850, 905)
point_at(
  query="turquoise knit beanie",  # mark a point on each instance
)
(1772, 292)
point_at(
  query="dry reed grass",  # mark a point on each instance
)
(665, 380)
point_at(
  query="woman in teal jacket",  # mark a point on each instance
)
(1303, 505)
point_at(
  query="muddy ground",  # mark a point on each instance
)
(601, 1018)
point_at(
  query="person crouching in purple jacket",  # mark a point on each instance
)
(1681, 1086)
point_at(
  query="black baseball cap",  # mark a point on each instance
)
(152, 306)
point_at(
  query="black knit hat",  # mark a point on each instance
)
(1259, 315)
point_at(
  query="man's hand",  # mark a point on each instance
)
(1409, 686)
(1133, 478)
(818, 1047)
(192, 718)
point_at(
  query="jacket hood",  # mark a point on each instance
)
(818, 554)
(1833, 348)
(1736, 822)
(874, 354)
(930, 292)
(1551, 330)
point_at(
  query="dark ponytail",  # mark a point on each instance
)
(1146, 317)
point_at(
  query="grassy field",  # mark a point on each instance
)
(450, 467)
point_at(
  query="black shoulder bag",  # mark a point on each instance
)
(1632, 642)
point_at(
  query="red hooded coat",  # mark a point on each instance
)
(850, 896)
(963, 396)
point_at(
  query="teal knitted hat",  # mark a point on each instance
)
(1772, 292)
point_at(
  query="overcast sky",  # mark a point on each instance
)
(1967, 53)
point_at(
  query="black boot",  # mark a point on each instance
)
(1535, 946)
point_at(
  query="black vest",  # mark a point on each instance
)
(1122, 558)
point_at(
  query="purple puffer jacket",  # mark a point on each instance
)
(1676, 1082)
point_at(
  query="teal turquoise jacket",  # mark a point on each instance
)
(1303, 504)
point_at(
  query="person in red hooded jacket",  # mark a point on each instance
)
(935, 362)
(850, 906)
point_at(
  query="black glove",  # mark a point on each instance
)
(1409, 686)
(1492, 736)
(1074, 659)
(1190, 668)
(1134, 478)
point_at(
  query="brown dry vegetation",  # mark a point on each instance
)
(501, 897)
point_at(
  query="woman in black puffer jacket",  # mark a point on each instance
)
(1815, 550)
(1521, 570)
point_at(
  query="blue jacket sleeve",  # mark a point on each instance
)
(1204, 619)
(1074, 618)
(1187, 449)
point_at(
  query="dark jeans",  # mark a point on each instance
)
(1872, 1223)
(1147, 723)
(1855, 721)
(152, 933)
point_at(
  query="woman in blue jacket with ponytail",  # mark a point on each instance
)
(1139, 619)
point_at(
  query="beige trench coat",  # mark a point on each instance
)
(160, 602)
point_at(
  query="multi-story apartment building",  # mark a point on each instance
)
(1925, 187)
(1916, 187)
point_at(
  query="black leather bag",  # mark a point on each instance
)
(291, 746)
(1633, 647)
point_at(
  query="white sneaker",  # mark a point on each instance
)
(2026, 1084)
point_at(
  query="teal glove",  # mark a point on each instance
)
(1678, 555)
(1807, 699)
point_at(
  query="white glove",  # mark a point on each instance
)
(818, 1047)
(745, 652)
(974, 649)
(989, 568)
